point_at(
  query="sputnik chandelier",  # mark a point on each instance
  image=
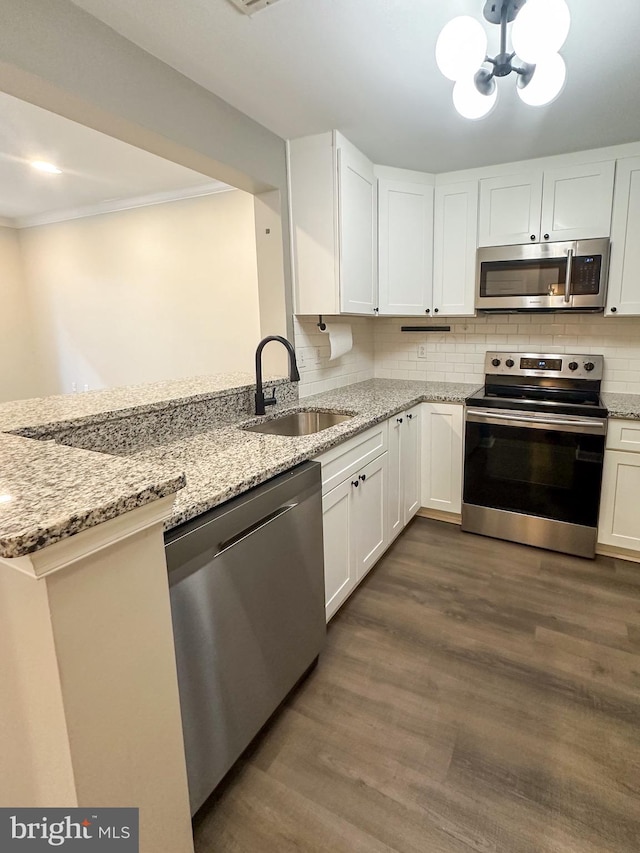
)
(540, 28)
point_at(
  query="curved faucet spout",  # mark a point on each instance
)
(294, 375)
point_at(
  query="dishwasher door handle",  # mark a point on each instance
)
(253, 528)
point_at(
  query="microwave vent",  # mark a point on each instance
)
(250, 7)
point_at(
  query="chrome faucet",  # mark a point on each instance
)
(294, 376)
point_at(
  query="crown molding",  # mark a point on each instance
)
(117, 205)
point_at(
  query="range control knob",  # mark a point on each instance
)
(509, 362)
(588, 366)
(495, 362)
(573, 365)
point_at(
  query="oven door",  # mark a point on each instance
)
(533, 464)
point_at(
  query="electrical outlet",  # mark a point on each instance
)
(317, 349)
(301, 359)
(422, 350)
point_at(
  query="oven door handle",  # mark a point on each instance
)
(593, 426)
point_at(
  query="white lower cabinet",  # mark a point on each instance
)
(442, 443)
(339, 558)
(404, 469)
(619, 524)
(354, 508)
(369, 514)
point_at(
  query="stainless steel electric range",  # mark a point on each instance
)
(534, 451)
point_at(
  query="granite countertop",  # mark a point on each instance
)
(49, 491)
(41, 413)
(622, 405)
(223, 463)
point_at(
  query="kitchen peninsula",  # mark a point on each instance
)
(83, 578)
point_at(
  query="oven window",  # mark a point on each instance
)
(523, 278)
(550, 474)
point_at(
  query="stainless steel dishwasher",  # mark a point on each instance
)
(247, 600)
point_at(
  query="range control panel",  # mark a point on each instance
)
(544, 364)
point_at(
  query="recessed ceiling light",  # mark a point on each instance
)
(43, 166)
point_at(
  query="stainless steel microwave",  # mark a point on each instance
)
(543, 277)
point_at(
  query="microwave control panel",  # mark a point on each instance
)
(585, 275)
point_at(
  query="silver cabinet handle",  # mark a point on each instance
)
(567, 281)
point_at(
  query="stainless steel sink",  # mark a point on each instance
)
(299, 423)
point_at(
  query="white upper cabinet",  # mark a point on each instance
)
(358, 230)
(405, 247)
(623, 295)
(333, 210)
(510, 209)
(570, 202)
(454, 248)
(577, 200)
(313, 211)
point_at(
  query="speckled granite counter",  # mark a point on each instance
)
(37, 416)
(49, 491)
(622, 405)
(220, 464)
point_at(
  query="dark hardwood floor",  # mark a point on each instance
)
(474, 695)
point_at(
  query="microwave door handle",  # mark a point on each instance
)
(567, 281)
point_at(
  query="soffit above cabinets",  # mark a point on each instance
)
(367, 68)
(99, 173)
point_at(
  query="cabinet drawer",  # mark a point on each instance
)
(623, 435)
(342, 461)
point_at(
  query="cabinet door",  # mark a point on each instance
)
(313, 211)
(395, 513)
(619, 522)
(339, 546)
(624, 282)
(405, 247)
(369, 515)
(510, 209)
(454, 248)
(358, 229)
(577, 201)
(442, 436)
(411, 441)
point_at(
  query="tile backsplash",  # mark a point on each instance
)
(317, 373)
(458, 355)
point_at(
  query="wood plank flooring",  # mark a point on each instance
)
(474, 695)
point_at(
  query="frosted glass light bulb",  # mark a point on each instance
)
(461, 47)
(540, 29)
(546, 83)
(469, 102)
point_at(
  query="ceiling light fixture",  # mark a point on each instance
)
(540, 28)
(43, 166)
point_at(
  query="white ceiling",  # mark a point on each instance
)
(97, 169)
(367, 68)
